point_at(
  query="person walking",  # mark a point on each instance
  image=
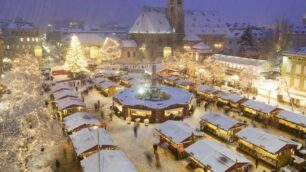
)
(135, 128)
(155, 146)
(157, 159)
(149, 158)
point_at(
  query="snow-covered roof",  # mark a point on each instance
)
(298, 51)
(20, 25)
(221, 121)
(229, 96)
(128, 44)
(110, 161)
(107, 84)
(177, 131)
(68, 102)
(296, 118)
(155, 20)
(99, 80)
(87, 38)
(177, 96)
(192, 37)
(203, 23)
(78, 119)
(109, 72)
(215, 155)
(64, 93)
(238, 60)
(265, 140)
(60, 86)
(61, 78)
(152, 20)
(87, 138)
(206, 89)
(201, 46)
(172, 78)
(259, 106)
(236, 34)
(183, 82)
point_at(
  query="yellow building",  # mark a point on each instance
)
(274, 150)
(294, 77)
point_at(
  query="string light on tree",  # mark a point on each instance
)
(111, 49)
(75, 60)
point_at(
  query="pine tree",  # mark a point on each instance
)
(247, 46)
(111, 49)
(75, 60)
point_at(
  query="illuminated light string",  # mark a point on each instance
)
(111, 49)
(22, 108)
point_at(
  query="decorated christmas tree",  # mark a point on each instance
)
(111, 49)
(75, 60)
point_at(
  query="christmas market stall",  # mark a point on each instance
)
(131, 81)
(63, 94)
(185, 84)
(80, 120)
(89, 140)
(206, 92)
(176, 135)
(136, 103)
(259, 110)
(230, 100)
(108, 88)
(107, 161)
(221, 125)
(68, 106)
(59, 87)
(274, 150)
(292, 121)
(210, 156)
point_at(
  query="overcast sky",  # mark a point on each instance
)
(125, 11)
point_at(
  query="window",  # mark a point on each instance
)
(305, 85)
(134, 54)
(8, 47)
(296, 84)
(288, 70)
(36, 39)
(304, 70)
(298, 69)
(128, 54)
(23, 46)
(21, 39)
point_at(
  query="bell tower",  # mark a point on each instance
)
(175, 13)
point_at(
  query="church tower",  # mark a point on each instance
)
(175, 14)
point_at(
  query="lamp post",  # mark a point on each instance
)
(99, 158)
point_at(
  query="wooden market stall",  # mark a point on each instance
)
(259, 110)
(185, 84)
(274, 150)
(206, 92)
(89, 140)
(221, 125)
(293, 121)
(230, 100)
(79, 120)
(68, 106)
(212, 156)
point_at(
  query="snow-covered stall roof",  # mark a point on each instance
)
(99, 80)
(216, 155)
(177, 131)
(128, 44)
(109, 72)
(110, 161)
(259, 106)
(183, 82)
(60, 86)
(229, 96)
(177, 96)
(64, 93)
(107, 84)
(78, 119)
(221, 121)
(238, 60)
(265, 140)
(172, 78)
(298, 51)
(206, 89)
(68, 102)
(296, 118)
(152, 20)
(87, 139)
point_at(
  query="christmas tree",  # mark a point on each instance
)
(111, 49)
(75, 60)
(247, 46)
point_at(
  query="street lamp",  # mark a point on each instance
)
(98, 137)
